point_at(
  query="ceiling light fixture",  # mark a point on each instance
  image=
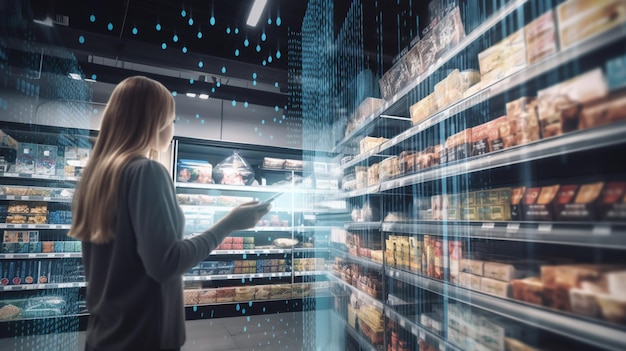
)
(46, 22)
(191, 95)
(75, 76)
(203, 96)
(255, 12)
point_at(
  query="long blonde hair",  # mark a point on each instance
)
(137, 110)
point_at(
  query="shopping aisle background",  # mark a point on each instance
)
(282, 331)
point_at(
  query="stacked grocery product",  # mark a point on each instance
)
(19, 241)
(25, 272)
(33, 307)
(207, 268)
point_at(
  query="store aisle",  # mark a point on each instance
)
(281, 331)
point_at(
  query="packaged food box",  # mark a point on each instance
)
(469, 281)
(537, 203)
(26, 157)
(394, 80)
(611, 206)
(503, 59)
(583, 19)
(75, 160)
(540, 36)
(368, 143)
(613, 308)
(194, 171)
(46, 161)
(559, 107)
(576, 203)
(494, 287)
(607, 110)
(528, 290)
(584, 302)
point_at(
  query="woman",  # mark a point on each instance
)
(126, 215)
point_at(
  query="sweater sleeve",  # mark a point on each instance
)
(158, 223)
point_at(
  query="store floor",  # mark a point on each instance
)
(283, 331)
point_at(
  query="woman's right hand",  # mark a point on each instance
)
(246, 215)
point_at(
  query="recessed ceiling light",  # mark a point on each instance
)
(255, 12)
(203, 96)
(75, 76)
(191, 95)
(45, 22)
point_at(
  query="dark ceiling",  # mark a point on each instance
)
(201, 46)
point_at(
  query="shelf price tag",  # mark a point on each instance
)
(402, 323)
(229, 276)
(8, 256)
(47, 198)
(422, 335)
(601, 230)
(25, 198)
(511, 227)
(11, 175)
(414, 330)
(10, 197)
(544, 228)
(489, 225)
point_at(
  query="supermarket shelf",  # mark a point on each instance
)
(568, 143)
(546, 65)
(360, 294)
(362, 261)
(269, 229)
(9, 256)
(419, 331)
(196, 278)
(362, 226)
(586, 331)
(42, 286)
(36, 198)
(284, 170)
(401, 98)
(358, 192)
(310, 273)
(249, 252)
(37, 176)
(364, 344)
(253, 189)
(603, 235)
(34, 226)
(312, 250)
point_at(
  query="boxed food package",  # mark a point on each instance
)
(493, 330)
(469, 281)
(507, 271)
(423, 109)
(494, 287)
(389, 168)
(273, 163)
(207, 296)
(582, 19)
(503, 59)
(559, 106)
(517, 194)
(452, 207)
(26, 157)
(190, 296)
(611, 206)
(368, 143)
(576, 203)
(472, 266)
(225, 295)
(540, 36)
(406, 161)
(46, 161)
(537, 203)
(366, 109)
(459, 145)
(75, 160)
(394, 80)
(452, 88)
(194, 171)
(528, 290)
(413, 63)
(445, 35)
(607, 110)
(373, 174)
(522, 121)
(294, 165)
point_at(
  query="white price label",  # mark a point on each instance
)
(265, 251)
(442, 347)
(414, 330)
(41, 286)
(490, 225)
(229, 276)
(544, 228)
(11, 175)
(25, 197)
(46, 153)
(402, 323)
(47, 198)
(8, 256)
(10, 197)
(388, 313)
(601, 230)
(422, 335)
(512, 227)
(42, 176)
(32, 255)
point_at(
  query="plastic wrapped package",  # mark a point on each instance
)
(233, 170)
(34, 307)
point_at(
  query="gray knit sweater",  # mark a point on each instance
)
(135, 293)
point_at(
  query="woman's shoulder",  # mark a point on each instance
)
(141, 165)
